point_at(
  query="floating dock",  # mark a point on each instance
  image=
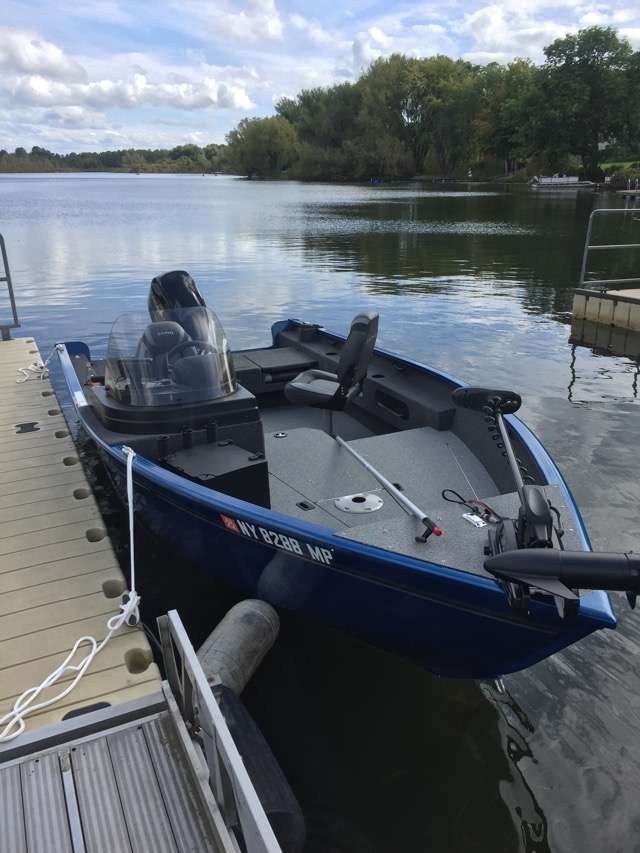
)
(620, 308)
(59, 577)
(594, 300)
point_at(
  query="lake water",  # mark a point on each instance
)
(477, 280)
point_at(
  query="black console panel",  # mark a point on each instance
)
(225, 467)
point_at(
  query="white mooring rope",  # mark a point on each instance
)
(37, 369)
(13, 722)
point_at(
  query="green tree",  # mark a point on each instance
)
(262, 146)
(503, 121)
(584, 96)
(446, 94)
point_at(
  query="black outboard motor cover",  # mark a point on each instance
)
(171, 290)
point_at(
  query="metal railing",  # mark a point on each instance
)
(231, 785)
(5, 328)
(592, 247)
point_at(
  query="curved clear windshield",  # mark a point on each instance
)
(183, 357)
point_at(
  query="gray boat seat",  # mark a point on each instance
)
(156, 343)
(313, 388)
(334, 390)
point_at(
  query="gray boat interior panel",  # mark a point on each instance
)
(288, 417)
(461, 544)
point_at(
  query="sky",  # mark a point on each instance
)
(90, 75)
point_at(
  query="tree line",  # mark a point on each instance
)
(436, 117)
(182, 158)
(443, 117)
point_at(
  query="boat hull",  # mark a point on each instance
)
(450, 622)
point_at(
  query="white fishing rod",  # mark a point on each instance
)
(396, 494)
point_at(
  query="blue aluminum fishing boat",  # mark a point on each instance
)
(346, 483)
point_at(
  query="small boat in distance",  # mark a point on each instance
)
(346, 483)
(559, 182)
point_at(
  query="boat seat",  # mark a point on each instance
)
(313, 388)
(270, 369)
(156, 343)
(334, 390)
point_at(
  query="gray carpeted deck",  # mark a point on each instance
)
(307, 465)
(461, 544)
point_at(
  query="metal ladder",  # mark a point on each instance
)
(592, 247)
(5, 328)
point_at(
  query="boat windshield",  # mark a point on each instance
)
(182, 357)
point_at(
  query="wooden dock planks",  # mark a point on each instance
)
(59, 577)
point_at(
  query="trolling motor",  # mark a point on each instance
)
(520, 551)
(534, 526)
(562, 572)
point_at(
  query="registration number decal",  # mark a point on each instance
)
(279, 540)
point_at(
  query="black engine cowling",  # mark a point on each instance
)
(171, 290)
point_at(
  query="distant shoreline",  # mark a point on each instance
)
(107, 172)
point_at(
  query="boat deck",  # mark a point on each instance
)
(308, 468)
(59, 577)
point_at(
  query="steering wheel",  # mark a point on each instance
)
(201, 347)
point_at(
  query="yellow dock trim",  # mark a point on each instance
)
(59, 577)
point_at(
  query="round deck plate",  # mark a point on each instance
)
(361, 502)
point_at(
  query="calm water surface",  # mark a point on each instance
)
(477, 280)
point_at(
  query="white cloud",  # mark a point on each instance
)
(369, 46)
(499, 31)
(259, 20)
(25, 52)
(312, 29)
(74, 117)
(137, 91)
(594, 18)
(633, 34)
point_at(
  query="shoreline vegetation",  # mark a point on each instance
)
(433, 118)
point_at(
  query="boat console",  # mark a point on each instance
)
(169, 387)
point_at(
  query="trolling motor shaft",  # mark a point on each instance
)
(534, 525)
